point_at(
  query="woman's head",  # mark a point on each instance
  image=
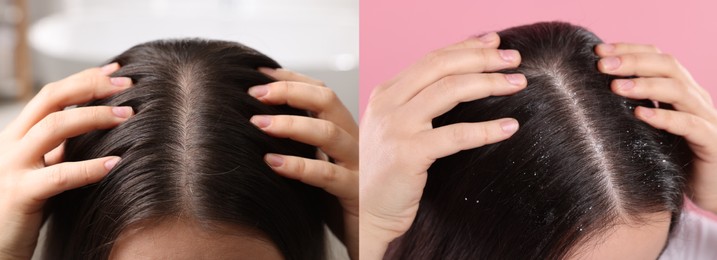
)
(581, 174)
(192, 172)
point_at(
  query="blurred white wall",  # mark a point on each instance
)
(315, 37)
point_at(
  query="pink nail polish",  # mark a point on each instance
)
(109, 164)
(109, 68)
(488, 37)
(120, 81)
(610, 63)
(258, 91)
(607, 47)
(625, 84)
(508, 55)
(122, 112)
(515, 79)
(274, 160)
(261, 121)
(509, 126)
(646, 112)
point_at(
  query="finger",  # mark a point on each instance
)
(615, 49)
(287, 75)
(55, 156)
(50, 181)
(332, 178)
(446, 140)
(445, 63)
(58, 126)
(447, 92)
(79, 88)
(331, 139)
(665, 90)
(643, 65)
(487, 40)
(322, 101)
(697, 131)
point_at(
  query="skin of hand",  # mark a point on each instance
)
(398, 142)
(31, 151)
(332, 129)
(660, 77)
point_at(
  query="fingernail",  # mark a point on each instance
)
(266, 70)
(515, 79)
(120, 81)
(611, 63)
(625, 84)
(646, 112)
(509, 126)
(274, 160)
(488, 37)
(261, 121)
(109, 68)
(606, 47)
(258, 91)
(122, 112)
(109, 164)
(508, 55)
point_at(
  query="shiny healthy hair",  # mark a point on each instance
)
(189, 152)
(580, 163)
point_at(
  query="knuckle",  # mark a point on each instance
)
(328, 173)
(461, 136)
(669, 59)
(331, 131)
(58, 177)
(326, 97)
(436, 59)
(52, 122)
(49, 90)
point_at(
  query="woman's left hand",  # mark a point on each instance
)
(333, 130)
(661, 78)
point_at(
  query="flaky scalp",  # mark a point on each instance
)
(580, 162)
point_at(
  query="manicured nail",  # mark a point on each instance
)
(646, 112)
(488, 37)
(109, 164)
(610, 63)
(606, 47)
(625, 84)
(266, 70)
(109, 68)
(274, 160)
(509, 126)
(120, 81)
(261, 121)
(258, 91)
(515, 79)
(508, 55)
(122, 112)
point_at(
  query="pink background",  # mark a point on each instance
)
(394, 34)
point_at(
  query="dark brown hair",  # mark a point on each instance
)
(580, 162)
(190, 152)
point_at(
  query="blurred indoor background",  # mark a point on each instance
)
(44, 41)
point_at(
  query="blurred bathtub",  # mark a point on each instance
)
(316, 37)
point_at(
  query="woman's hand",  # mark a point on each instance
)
(399, 143)
(332, 129)
(661, 78)
(31, 170)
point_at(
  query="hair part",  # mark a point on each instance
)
(189, 152)
(580, 163)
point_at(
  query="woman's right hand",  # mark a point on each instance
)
(398, 142)
(31, 167)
